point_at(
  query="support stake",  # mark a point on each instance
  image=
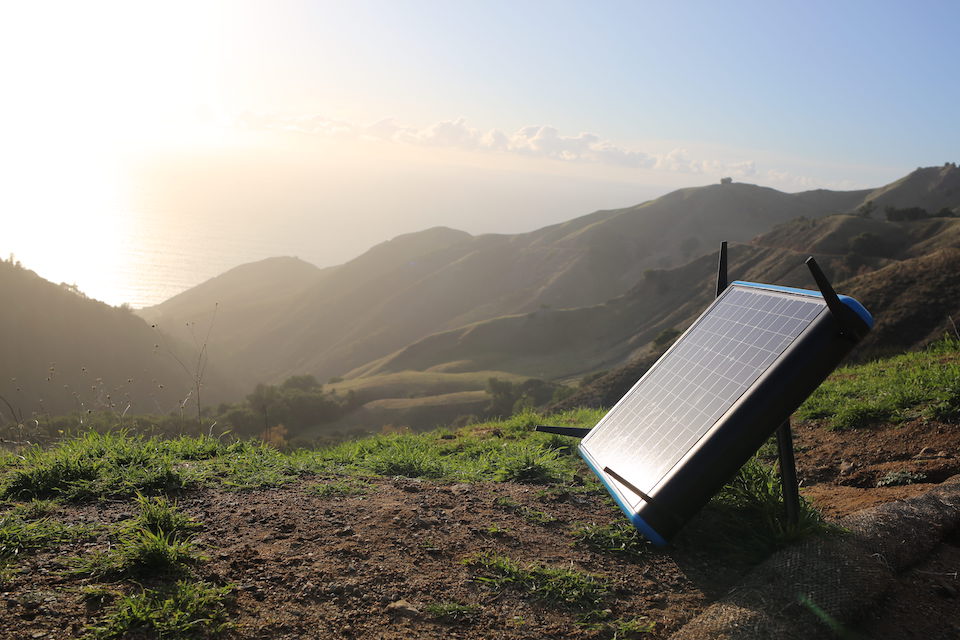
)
(788, 473)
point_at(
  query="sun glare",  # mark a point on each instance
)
(99, 82)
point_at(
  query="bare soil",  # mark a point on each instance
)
(368, 566)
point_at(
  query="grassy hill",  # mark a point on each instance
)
(931, 188)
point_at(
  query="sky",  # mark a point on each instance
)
(149, 146)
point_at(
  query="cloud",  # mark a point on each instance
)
(539, 141)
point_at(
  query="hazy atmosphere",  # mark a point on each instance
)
(473, 319)
(151, 146)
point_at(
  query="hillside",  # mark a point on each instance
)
(930, 188)
(61, 352)
(441, 279)
(244, 299)
(906, 273)
(491, 530)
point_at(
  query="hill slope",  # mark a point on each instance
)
(62, 352)
(440, 279)
(907, 274)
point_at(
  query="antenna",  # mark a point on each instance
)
(841, 313)
(722, 269)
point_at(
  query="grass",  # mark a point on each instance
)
(747, 515)
(619, 538)
(161, 516)
(503, 451)
(96, 466)
(616, 628)
(533, 516)
(157, 541)
(566, 588)
(453, 612)
(19, 534)
(351, 487)
(924, 384)
(182, 610)
(900, 478)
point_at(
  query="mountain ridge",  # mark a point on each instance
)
(440, 279)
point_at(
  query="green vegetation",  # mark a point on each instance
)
(748, 514)
(341, 488)
(159, 515)
(899, 478)
(453, 612)
(183, 610)
(507, 450)
(913, 385)
(119, 465)
(508, 398)
(616, 628)
(156, 541)
(21, 532)
(618, 537)
(533, 516)
(560, 587)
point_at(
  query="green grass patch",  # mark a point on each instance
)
(453, 612)
(139, 553)
(900, 478)
(159, 515)
(23, 528)
(95, 465)
(561, 587)
(504, 451)
(184, 610)
(922, 384)
(250, 464)
(533, 516)
(620, 538)
(351, 487)
(748, 516)
(157, 541)
(611, 628)
(120, 465)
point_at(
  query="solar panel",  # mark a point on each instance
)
(701, 410)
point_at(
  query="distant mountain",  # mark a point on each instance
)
(441, 279)
(62, 352)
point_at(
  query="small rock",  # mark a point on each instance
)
(847, 467)
(926, 451)
(403, 608)
(346, 531)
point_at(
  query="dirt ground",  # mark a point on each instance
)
(368, 566)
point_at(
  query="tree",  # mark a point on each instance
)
(306, 382)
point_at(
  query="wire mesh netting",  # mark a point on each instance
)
(819, 588)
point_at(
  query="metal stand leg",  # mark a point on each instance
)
(788, 473)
